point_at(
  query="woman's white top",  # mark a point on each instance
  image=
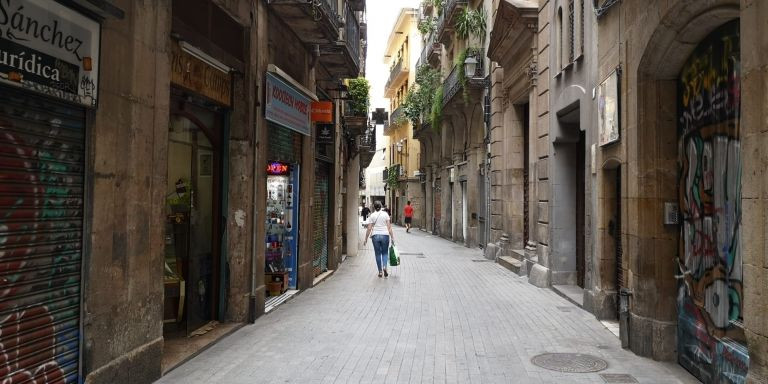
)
(379, 219)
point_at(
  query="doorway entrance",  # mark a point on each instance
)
(193, 208)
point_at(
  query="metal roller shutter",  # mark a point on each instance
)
(42, 155)
(320, 213)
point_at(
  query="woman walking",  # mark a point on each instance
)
(380, 232)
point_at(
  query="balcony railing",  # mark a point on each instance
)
(396, 75)
(397, 115)
(352, 35)
(446, 20)
(452, 85)
(333, 5)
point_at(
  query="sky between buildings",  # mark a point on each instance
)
(381, 19)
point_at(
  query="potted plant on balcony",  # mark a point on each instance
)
(356, 110)
(427, 25)
(359, 98)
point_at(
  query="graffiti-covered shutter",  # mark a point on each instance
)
(711, 340)
(320, 222)
(41, 226)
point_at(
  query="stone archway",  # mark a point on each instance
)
(652, 248)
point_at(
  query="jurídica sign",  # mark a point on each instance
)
(48, 48)
(287, 106)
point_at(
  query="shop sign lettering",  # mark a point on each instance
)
(287, 106)
(325, 134)
(277, 168)
(49, 48)
(195, 75)
(322, 111)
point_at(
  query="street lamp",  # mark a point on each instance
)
(470, 66)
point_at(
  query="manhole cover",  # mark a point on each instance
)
(570, 362)
(618, 378)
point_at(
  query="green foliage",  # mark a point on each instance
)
(427, 25)
(461, 74)
(393, 178)
(471, 22)
(359, 94)
(418, 100)
(436, 114)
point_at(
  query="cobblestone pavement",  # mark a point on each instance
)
(441, 317)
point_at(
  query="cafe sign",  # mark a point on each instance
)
(48, 48)
(287, 106)
(187, 71)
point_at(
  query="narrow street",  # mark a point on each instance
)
(444, 315)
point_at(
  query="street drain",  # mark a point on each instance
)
(618, 378)
(411, 254)
(564, 309)
(481, 260)
(570, 362)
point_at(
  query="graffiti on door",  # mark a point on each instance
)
(710, 335)
(40, 248)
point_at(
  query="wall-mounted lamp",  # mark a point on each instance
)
(470, 66)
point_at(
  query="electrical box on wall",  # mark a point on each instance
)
(451, 174)
(671, 213)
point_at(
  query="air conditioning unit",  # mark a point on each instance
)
(417, 173)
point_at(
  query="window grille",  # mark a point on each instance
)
(571, 20)
(581, 25)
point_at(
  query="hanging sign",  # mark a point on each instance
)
(195, 75)
(287, 106)
(277, 168)
(608, 109)
(324, 134)
(322, 112)
(48, 48)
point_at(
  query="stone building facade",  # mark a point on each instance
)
(455, 153)
(643, 169)
(686, 173)
(402, 150)
(158, 169)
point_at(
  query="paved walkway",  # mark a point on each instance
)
(441, 317)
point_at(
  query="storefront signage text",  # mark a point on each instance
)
(192, 73)
(322, 112)
(324, 134)
(277, 168)
(49, 48)
(287, 106)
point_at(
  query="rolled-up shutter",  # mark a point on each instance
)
(42, 155)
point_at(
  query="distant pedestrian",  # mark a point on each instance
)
(408, 213)
(386, 209)
(366, 211)
(380, 232)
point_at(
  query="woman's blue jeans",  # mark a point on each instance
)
(381, 250)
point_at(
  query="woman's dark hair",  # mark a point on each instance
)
(377, 206)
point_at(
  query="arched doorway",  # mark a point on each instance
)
(711, 340)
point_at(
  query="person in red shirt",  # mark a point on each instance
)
(408, 211)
